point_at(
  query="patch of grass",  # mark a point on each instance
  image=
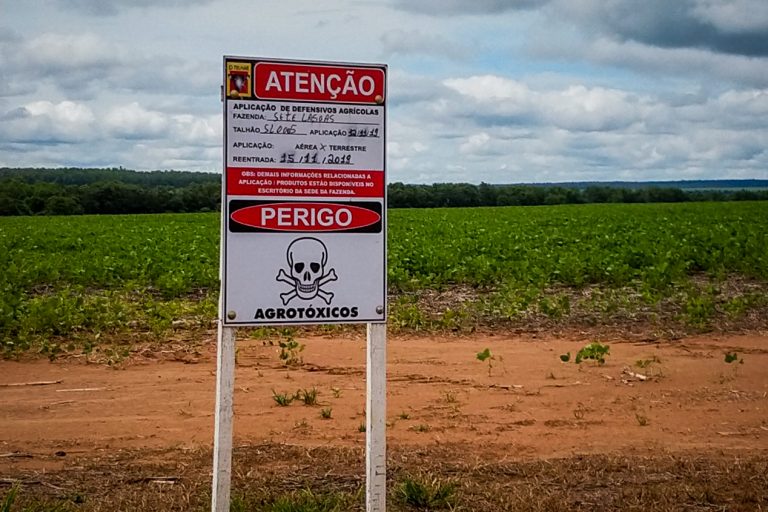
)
(421, 427)
(555, 307)
(282, 399)
(7, 503)
(406, 314)
(325, 413)
(308, 396)
(699, 308)
(426, 493)
(306, 500)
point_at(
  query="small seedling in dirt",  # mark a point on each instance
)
(484, 356)
(421, 428)
(361, 427)
(289, 352)
(450, 397)
(336, 392)
(301, 425)
(282, 399)
(565, 357)
(649, 365)
(308, 396)
(404, 415)
(595, 351)
(730, 358)
(325, 413)
(642, 419)
(579, 411)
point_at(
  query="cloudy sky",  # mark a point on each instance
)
(501, 91)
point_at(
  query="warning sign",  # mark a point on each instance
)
(304, 235)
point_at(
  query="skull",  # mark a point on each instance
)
(307, 258)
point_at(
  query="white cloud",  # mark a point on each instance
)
(203, 131)
(460, 7)
(56, 51)
(733, 16)
(60, 122)
(135, 122)
(405, 150)
(476, 144)
(490, 88)
(417, 42)
(514, 133)
(582, 108)
(575, 108)
(693, 62)
(749, 106)
(65, 113)
(113, 7)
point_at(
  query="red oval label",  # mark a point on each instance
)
(306, 217)
(318, 82)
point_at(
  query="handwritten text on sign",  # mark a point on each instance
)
(299, 149)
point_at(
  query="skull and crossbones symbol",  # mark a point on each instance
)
(307, 258)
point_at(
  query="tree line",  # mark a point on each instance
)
(442, 195)
(77, 191)
(85, 176)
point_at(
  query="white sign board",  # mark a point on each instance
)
(305, 225)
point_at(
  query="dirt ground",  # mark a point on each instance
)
(527, 407)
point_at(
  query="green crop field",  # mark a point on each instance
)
(69, 282)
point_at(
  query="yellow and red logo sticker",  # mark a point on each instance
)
(239, 76)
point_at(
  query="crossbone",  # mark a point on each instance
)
(289, 296)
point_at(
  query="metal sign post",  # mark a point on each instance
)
(376, 419)
(222, 436)
(303, 233)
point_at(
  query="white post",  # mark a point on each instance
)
(376, 419)
(222, 436)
